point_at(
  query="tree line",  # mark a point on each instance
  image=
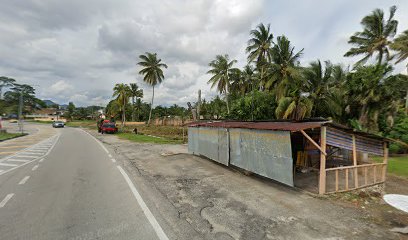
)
(367, 96)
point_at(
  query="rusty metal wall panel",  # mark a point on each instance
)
(264, 152)
(212, 143)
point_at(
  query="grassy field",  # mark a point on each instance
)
(146, 139)
(5, 136)
(396, 165)
(85, 124)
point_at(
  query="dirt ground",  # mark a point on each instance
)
(200, 199)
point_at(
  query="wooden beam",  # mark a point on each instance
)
(384, 169)
(347, 182)
(355, 161)
(322, 175)
(313, 142)
(337, 180)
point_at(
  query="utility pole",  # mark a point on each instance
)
(199, 105)
(20, 113)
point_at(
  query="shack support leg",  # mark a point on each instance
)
(384, 168)
(355, 162)
(322, 175)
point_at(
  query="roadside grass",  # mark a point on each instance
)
(83, 123)
(396, 165)
(175, 133)
(146, 139)
(6, 136)
(37, 121)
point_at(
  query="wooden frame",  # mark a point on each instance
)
(322, 175)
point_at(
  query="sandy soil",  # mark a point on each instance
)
(200, 199)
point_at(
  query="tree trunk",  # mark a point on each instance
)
(406, 97)
(363, 116)
(151, 108)
(124, 113)
(133, 108)
(226, 97)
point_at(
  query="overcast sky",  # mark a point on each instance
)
(77, 50)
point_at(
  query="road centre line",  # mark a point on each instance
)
(35, 167)
(6, 199)
(42, 159)
(157, 228)
(24, 180)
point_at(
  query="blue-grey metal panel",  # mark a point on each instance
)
(264, 152)
(212, 143)
(192, 140)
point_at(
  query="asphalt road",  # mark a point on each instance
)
(71, 187)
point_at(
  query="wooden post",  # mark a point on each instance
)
(355, 162)
(337, 180)
(375, 173)
(365, 176)
(322, 175)
(347, 185)
(384, 169)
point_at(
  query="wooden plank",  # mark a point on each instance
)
(347, 185)
(358, 166)
(322, 175)
(313, 142)
(375, 173)
(365, 176)
(337, 180)
(384, 169)
(355, 161)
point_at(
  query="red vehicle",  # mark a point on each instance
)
(109, 127)
(106, 126)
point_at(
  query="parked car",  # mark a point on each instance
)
(100, 123)
(13, 120)
(109, 127)
(58, 124)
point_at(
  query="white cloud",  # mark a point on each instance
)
(78, 50)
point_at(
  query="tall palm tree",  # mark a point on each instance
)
(122, 93)
(375, 38)
(285, 67)
(152, 73)
(400, 45)
(135, 93)
(319, 81)
(221, 69)
(259, 47)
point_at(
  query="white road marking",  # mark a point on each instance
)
(6, 199)
(1, 171)
(8, 164)
(99, 142)
(17, 160)
(26, 156)
(159, 231)
(42, 159)
(113, 160)
(35, 167)
(110, 155)
(24, 180)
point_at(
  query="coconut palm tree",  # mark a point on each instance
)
(259, 47)
(152, 73)
(285, 68)
(375, 38)
(135, 93)
(400, 45)
(221, 69)
(122, 93)
(319, 82)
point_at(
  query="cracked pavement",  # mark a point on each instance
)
(200, 199)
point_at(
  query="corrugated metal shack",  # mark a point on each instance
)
(329, 153)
